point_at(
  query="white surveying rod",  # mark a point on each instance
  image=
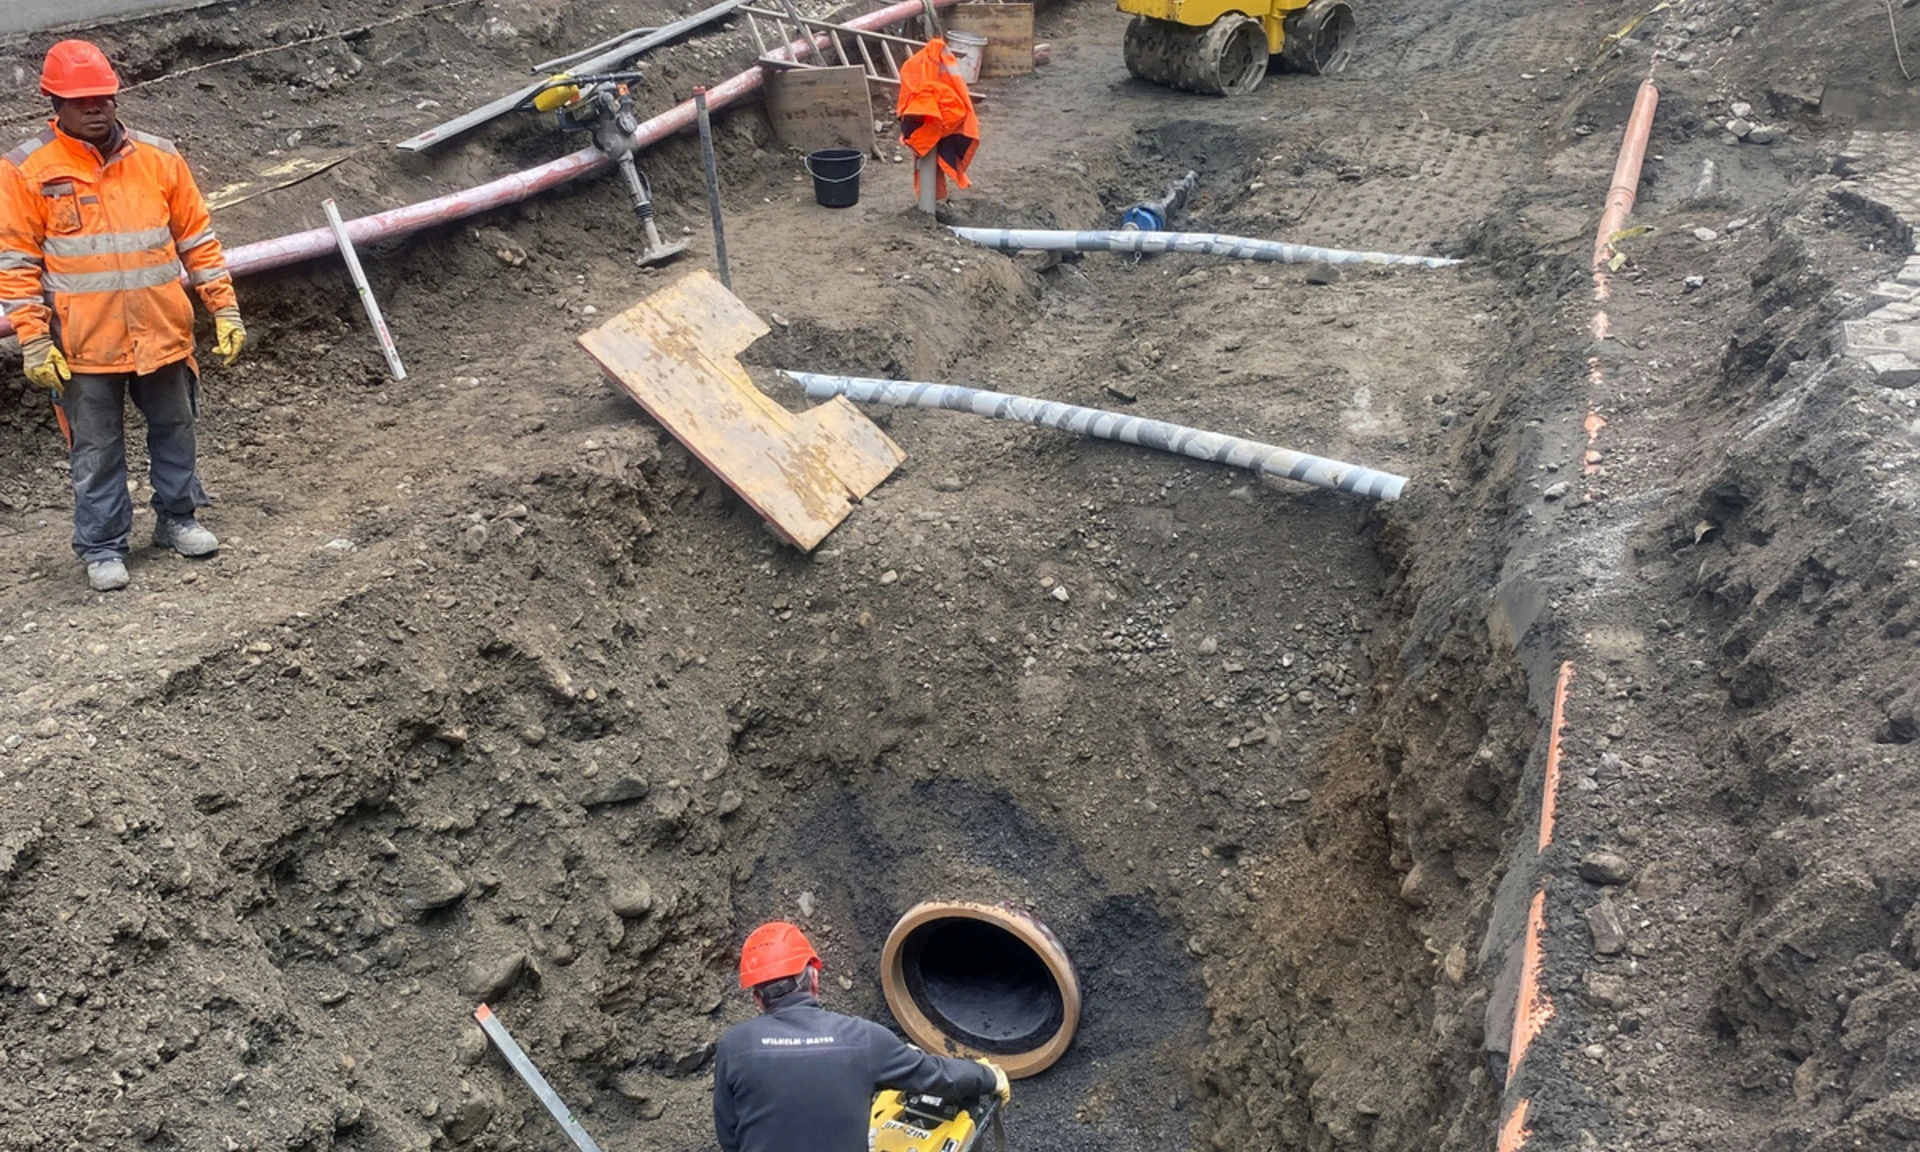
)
(367, 301)
(497, 1032)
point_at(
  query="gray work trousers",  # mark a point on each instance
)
(96, 410)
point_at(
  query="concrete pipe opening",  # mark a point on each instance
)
(981, 980)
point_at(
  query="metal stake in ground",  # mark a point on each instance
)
(713, 187)
(360, 284)
(926, 178)
(497, 1032)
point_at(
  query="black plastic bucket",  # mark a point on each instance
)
(836, 176)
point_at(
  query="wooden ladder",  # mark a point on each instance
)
(777, 34)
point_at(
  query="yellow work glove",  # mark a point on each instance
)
(1001, 1088)
(229, 335)
(45, 365)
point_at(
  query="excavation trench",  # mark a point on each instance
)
(591, 727)
(495, 693)
(555, 724)
(641, 728)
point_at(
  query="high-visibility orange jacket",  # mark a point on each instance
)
(93, 248)
(936, 113)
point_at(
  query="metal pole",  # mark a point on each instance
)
(548, 67)
(605, 60)
(926, 173)
(713, 187)
(360, 284)
(557, 1108)
(1157, 434)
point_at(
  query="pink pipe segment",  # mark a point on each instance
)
(282, 251)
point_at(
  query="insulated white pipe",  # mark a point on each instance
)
(1200, 243)
(1104, 425)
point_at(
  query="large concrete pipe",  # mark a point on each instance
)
(981, 980)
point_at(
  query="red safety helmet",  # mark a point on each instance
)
(75, 68)
(775, 951)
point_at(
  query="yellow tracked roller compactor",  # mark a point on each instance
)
(1221, 47)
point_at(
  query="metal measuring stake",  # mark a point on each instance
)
(359, 275)
(497, 1032)
(713, 187)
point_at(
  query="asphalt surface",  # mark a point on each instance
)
(36, 15)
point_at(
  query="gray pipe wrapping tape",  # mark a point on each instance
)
(1158, 434)
(1197, 243)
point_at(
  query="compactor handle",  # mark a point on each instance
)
(993, 1117)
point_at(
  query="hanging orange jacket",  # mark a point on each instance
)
(936, 113)
(93, 249)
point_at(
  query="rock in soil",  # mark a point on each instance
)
(1605, 868)
(632, 900)
(1609, 935)
(489, 980)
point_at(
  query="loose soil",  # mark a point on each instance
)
(494, 692)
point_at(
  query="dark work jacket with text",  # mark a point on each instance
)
(801, 1079)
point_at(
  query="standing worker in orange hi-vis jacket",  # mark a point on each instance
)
(99, 224)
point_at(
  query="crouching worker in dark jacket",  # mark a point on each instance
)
(800, 1078)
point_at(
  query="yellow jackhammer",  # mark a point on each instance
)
(601, 104)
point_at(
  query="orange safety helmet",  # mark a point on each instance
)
(75, 68)
(775, 951)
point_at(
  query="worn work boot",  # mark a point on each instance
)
(107, 575)
(185, 536)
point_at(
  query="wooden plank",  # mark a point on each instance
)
(1009, 32)
(864, 456)
(821, 108)
(675, 354)
(284, 174)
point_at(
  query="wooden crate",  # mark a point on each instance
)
(815, 108)
(1009, 32)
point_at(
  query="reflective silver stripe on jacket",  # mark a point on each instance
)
(208, 275)
(12, 306)
(12, 258)
(149, 139)
(188, 245)
(28, 147)
(107, 243)
(125, 280)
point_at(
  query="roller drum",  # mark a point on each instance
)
(1225, 58)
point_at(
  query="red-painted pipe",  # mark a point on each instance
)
(285, 250)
